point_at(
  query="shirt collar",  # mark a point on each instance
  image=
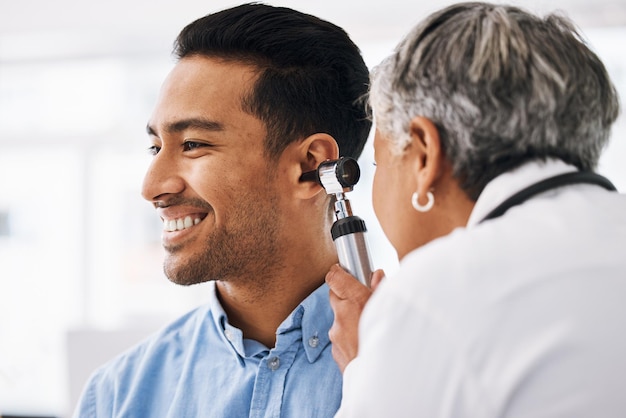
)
(314, 317)
(511, 182)
(311, 320)
(231, 336)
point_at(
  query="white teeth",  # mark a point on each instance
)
(180, 224)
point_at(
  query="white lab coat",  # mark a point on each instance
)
(521, 316)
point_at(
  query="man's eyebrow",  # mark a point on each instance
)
(184, 124)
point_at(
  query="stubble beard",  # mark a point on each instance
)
(245, 252)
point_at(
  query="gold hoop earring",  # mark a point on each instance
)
(423, 208)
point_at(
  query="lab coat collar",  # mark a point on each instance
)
(511, 182)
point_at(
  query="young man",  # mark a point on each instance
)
(259, 96)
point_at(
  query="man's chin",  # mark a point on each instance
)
(184, 274)
(184, 280)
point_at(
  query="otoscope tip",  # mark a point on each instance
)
(310, 176)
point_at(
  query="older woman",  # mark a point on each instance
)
(510, 299)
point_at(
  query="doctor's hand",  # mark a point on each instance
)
(348, 297)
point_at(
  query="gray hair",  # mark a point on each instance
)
(502, 87)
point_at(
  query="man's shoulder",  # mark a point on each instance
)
(153, 349)
(154, 364)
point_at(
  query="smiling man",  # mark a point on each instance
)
(259, 96)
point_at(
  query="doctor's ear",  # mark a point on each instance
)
(426, 148)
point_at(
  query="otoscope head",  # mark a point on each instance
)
(335, 176)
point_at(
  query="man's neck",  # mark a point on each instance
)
(259, 311)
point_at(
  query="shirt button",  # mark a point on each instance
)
(273, 363)
(314, 341)
(228, 334)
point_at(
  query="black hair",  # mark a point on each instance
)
(312, 78)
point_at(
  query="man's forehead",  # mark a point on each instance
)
(208, 81)
(212, 66)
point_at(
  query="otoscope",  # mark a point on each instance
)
(348, 231)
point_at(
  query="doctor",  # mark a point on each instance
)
(510, 296)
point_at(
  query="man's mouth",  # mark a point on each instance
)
(171, 225)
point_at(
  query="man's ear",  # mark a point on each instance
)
(425, 148)
(309, 154)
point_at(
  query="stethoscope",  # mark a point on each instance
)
(566, 179)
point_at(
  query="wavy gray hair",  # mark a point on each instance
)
(502, 86)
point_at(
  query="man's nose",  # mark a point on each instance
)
(162, 178)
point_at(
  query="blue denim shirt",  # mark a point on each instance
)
(201, 366)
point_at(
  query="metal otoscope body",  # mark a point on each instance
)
(348, 231)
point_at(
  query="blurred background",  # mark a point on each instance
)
(80, 257)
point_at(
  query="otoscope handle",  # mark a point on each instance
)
(349, 237)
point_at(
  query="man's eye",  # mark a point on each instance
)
(193, 145)
(153, 150)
